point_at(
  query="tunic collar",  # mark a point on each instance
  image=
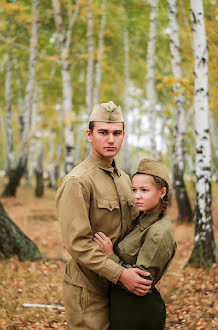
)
(103, 165)
(146, 219)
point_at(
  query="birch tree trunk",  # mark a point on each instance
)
(150, 78)
(4, 135)
(9, 130)
(90, 68)
(214, 139)
(203, 253)
(39, 168)
(36, 148)
(16, 174)
(64, 40)
(183, 203)
(14, 242)
(19, 92)
(51, 169)
(98, 65)
(125, 150)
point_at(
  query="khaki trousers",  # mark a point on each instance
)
(85, 310)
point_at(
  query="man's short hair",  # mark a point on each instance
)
(92, 125)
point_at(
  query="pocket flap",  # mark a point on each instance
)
(109, 204)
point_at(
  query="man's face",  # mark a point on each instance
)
(106, 139)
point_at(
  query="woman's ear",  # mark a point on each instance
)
(163, 192)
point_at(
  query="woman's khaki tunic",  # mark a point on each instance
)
(93, 197)
(150, 246)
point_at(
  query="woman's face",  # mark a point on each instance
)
(146, 194)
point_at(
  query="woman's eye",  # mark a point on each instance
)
(144, 189)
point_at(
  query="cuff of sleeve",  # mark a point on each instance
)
(114, 257)
(111, 271)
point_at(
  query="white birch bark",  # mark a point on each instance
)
(51, 169)
(79, 136)
(204, 250)
(64, 40)
(30, 83)
(19, 92)
(90, 68)
(98, 65)
(214, 139)
(9, 130)
(4, 135)
(34, 137)
(185, 213)
(90, 64)
(125, 151)
(150, 78)
(36, 161)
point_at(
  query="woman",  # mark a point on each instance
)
(149, 245)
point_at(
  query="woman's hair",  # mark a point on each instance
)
(160, 183)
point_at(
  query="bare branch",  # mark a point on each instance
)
(18, 45)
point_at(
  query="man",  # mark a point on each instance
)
(96, 196)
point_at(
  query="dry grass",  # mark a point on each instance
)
(188, 292)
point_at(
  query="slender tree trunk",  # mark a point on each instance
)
(39, 189)
(9, 136)
(125, 151)
(17, 173)
(214, 139)
(19, 92)
(36, 148)
(64, 40)
(14, 242)
(98, 65)
(67, 106)
(4, 135)
(51, 170)
(203, 253)
(150, 79)
(90, 68)
(183, 203)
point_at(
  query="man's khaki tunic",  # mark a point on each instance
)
(93, 197)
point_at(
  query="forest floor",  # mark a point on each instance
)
(189, 293)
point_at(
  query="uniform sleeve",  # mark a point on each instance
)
(119, 261)
(153, 256)
(73, 209)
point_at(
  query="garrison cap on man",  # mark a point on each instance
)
(107, 112)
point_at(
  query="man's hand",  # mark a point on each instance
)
(132, 280)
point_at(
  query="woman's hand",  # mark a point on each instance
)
(104, 242)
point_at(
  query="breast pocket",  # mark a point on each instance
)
(105, 215)
(129, 248)
(107, 204)
(128, 252)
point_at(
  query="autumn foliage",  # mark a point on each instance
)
(189, 293)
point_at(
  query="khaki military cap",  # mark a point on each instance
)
(153, 167)
(107, 112)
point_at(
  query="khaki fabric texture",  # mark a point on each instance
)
(153, 167)
(85, 310)
(93, 197)
(107, 112)
(148, 246)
